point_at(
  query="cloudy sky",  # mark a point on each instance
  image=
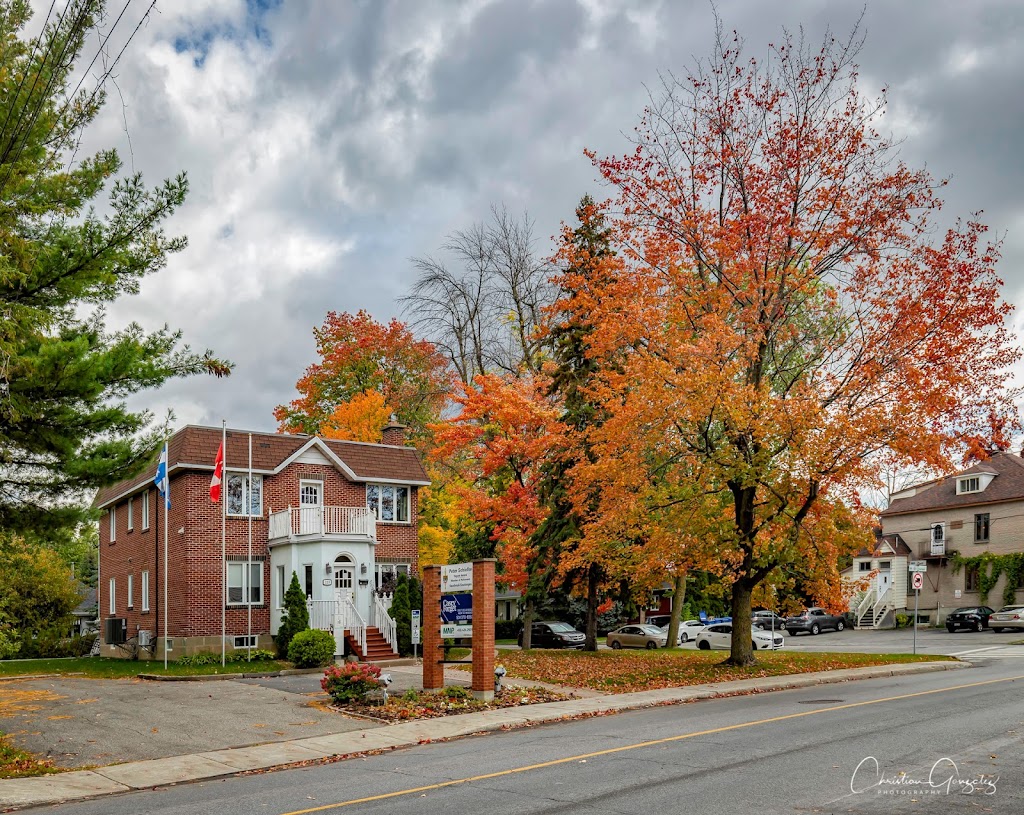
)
(327, 143)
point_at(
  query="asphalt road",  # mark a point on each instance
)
(946, 742)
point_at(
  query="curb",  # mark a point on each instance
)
(80, 785)
(218, 677)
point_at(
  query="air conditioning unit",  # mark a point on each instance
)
(145, 638)
(115, 630)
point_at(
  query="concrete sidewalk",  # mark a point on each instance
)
(25, 792)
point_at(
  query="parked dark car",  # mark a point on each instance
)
(767, 621)
(973, 617)
(813, 621)
(554, 634)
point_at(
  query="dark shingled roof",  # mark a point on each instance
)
(195, 448)
(894, 540)
(1008, 485)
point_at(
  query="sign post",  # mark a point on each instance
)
(917, 583)
(415, 623)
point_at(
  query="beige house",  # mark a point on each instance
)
(979, 510)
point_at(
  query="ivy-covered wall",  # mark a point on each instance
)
(990, 567)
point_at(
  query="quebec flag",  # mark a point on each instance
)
(162, 484)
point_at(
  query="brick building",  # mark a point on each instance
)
(341, 515)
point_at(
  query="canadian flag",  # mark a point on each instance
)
(218, 474)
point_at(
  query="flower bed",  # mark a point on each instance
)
(450, 702)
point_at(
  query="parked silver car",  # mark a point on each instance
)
(814, 620)
(1008, 618)
(639, 635)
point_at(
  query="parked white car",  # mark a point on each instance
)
(688, 631)
(719, 637)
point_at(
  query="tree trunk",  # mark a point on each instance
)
(527, 623)
(593, 581)
(742, 652)
(678, 598)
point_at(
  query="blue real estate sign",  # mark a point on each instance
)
(456, 615)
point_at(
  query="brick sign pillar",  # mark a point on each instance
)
(433, 653)
(483, 628)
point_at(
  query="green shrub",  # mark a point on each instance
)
(295, 619)
(350, 682)
(902, 620)
(204, 658)
(312, 648)
(411, 695)
(457, 692)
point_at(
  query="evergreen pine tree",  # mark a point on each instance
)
(573, 371)
(400, 614)
(295, 619)
(65, 428)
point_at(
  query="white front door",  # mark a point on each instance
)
(883, 581)
(344, 575)
(311, 516)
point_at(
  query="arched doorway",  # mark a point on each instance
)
(344, 578)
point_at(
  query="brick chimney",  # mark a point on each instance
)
(393, 432)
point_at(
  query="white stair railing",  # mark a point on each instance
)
(867, 601)
(380, 617)
(882, 606)
(347, 618)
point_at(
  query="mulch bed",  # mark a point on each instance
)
(450, 702)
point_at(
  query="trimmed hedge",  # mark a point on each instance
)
(312, 648)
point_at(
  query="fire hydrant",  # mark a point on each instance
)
(499, 672)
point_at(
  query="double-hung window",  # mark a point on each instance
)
(243, 500)
(245, 579)
(113, 596)
(131, 515)
(131, 582)
(145, 509)
(981, 527)
(145, 592)
(112, 517)
(388, 503)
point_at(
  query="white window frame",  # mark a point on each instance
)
(968, 484)
(253, 501)
(145, 591)
(310, 584)
(380, 568)
(864, 566)
(131, 515)
(112, 604)
(240, 641)
(145, 510)
(281, 588)
(131, 600)
(112, 519)
(375, 494)
(236, 579)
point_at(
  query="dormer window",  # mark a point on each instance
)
(970, 484)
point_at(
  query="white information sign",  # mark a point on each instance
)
(457, 577)
(415, 615)
(918, 566)
(452, 630)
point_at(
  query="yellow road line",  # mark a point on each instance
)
(638, 745)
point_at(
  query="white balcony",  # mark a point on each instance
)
(938, 548)
(319, 522)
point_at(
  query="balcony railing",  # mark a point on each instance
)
(296, 521)
(938, 548)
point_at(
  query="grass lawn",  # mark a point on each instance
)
(625, 671)
(104, 668)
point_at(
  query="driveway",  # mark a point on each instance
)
(90, 722)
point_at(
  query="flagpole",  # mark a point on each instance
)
(223, 546)
(167, 565)
(248, 564)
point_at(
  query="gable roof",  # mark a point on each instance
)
(194, 448)
(1007, 485)
(888, 545)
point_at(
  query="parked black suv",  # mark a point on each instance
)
(554, 634)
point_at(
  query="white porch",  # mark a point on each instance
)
(331, 550)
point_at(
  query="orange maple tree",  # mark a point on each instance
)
(499, 440)
(790, 310)
(361, 418)
(358, 354)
